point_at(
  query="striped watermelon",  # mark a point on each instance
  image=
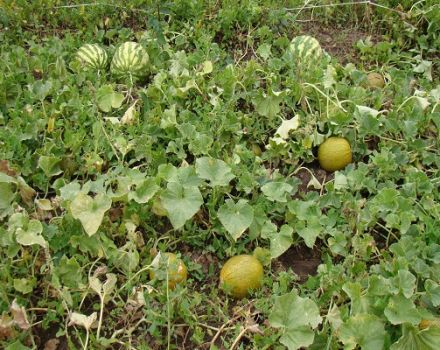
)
(306, 50)
(130, 59)
(92, 56)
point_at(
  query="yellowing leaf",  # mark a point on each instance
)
(90, 211)
(286, 126)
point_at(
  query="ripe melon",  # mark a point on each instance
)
(130, 58)
(92, 56)
(334, 154)
(306, 50)
(240, 275)
(375, 80)
(175, 267)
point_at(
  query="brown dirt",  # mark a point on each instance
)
(304, 176)
(338, 42)
(302, 260)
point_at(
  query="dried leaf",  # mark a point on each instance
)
(19, 314)
(6, 328)
(82, 320)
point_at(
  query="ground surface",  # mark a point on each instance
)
(212, 153)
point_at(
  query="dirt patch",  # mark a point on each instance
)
(338, 42)
(305, 176)
(46, 339)
(302, 260)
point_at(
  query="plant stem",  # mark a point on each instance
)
(101, 314)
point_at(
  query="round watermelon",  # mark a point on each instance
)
(306, 50)
(130, 59)
(92, 56)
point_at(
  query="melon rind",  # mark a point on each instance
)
(130, 58)
(92, 56)
(240, 275)
(306, 50)
(334, 154)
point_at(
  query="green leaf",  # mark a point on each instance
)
(297, 338)
(181, 203)
(6, 195)
(17, 345)
(401, 310)
(433, 292)
(264, 51)
(31, 234)
(168, 119)
(144, 191)
(277, 191)
(214, 170)
(414, 339)
(268, 105)
(107, 98)
(24, 285)
(296, 317)
(41, 89)
(236, 217)
(69, 272)
(281, 241)
(50, 165)
(309, 231)
(406, 282)
(365, 330)
(90, 211)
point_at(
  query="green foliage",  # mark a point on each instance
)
(213, 154)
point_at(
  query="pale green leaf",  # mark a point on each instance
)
(216, 171)
(236, 217)
(365, 330)
(78, 319)
(50, 165)
(31, 234)
(144, 191)
(107, 98)
(286, 126)
(401, 310)
(181, 203)
(415, 339)
(277, 191)
(264, 51)
(281, 241)
(90, 211)
(297, 317)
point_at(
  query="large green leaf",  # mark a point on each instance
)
(401, 310)
(181, 203)
(216, 171)
(365, 330)
(297, 317)
(90, 211)
(236, 217)
(277, 191)
(144, 191)
(268, 105)
(107, 98)
(415, 339)
(281, 241)
(31, 234)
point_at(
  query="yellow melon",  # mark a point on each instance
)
(334, 154)
(240, 275)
